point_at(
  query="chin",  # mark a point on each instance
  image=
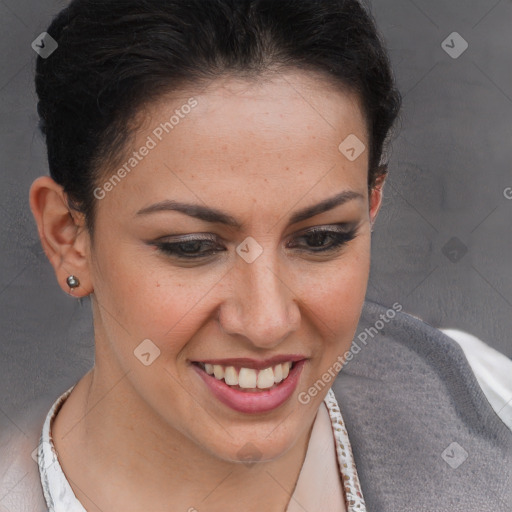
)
(264, 445)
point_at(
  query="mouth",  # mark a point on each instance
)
(250, 386)
(249, 380)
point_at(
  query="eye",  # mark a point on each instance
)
(316, 238)
(190, 248)
(194, 248)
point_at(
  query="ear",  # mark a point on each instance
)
(376, 196)
(63, 235)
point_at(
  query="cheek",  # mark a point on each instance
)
(160, 307)
(138, 299)
(170, 307)
(335, 295)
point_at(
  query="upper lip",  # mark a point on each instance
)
(256, 364)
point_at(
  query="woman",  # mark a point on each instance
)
(216, 170)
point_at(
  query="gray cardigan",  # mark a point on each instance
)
(424, 436)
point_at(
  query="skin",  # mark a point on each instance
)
(131, 434)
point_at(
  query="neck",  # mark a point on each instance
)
(118, 455)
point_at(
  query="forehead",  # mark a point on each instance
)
(278, 135)
(267, 101)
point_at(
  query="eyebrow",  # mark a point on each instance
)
(213, 215)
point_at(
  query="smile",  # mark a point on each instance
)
(249, 378)
(251, 387)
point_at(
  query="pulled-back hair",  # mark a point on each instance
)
(115, 56)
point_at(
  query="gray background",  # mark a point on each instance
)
(450, 165)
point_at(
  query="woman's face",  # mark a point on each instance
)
(237, 279)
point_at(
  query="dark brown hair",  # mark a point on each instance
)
(114, 56)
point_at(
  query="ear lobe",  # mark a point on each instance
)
(63, 236)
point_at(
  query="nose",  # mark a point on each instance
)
(262, 306)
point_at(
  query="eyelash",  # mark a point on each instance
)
(341, 238)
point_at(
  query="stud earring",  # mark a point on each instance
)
(73, 281)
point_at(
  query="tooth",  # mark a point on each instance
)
(266, 378)
(218, 371)
(247, 378)
(208, 368)
(230, 376)
(278, 373)
(286, 369)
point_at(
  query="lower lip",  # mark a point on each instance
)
(253, 402)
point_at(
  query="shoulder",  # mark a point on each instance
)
(388, 338)
(20, 483)
(401, 352)
(412, 400)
